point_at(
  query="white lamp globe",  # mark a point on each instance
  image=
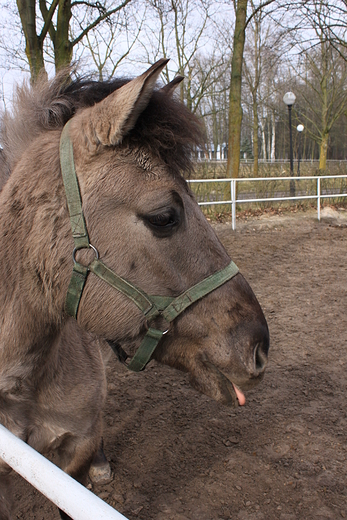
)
(289, 98)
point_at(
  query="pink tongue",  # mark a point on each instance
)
(240, 396)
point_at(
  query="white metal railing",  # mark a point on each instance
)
(269, 161)
(70, 496)
(233, 200)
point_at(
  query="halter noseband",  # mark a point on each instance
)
(152, 307)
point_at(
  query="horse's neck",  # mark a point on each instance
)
(25, 351)
(25, 337)
(31, 300)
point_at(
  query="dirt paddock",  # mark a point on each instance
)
(177, 455)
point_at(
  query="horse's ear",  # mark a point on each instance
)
(107, 122)
(171, 87)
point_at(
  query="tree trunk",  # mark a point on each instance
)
(268, 155)
(323, 148)
(33, 44)
(255, 140)
(61, 42)
(235, 110)
(323, 152)
(215, 136)
(263, 140)
(273, 137)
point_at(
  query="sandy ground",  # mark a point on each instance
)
(178, 455)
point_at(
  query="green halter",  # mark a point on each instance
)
(152, 306)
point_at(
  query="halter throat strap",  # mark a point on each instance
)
(152, 307)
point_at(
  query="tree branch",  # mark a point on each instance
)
(47, 15)
(97, 21)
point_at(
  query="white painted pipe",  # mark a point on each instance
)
(68, 494)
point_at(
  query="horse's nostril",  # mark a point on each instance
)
(260, 357)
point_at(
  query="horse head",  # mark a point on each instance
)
(145, 224)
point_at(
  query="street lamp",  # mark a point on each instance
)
(300, 129)
(289, 100)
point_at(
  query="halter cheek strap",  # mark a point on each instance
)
(152, 307)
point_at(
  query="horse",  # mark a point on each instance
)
(4, 173)
(102, 241)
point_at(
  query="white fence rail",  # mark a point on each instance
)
(233, 200)
(70, 496)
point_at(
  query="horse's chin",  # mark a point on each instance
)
(210, 381)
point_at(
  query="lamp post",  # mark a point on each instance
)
(299, 128)
(289, 100)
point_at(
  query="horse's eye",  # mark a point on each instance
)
(162, 220)
(163, 224)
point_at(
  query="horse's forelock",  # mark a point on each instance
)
(166, 127)
(167, 130)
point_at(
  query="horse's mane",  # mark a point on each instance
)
(166, 127)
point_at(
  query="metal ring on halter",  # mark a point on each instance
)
(90, 246)
(164, 332)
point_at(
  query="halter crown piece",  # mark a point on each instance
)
(152, 307)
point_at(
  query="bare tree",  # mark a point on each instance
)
(213, 107)
(179, 30)
(331, 17)
(55, 20)
(324, 74)
(110, 45)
